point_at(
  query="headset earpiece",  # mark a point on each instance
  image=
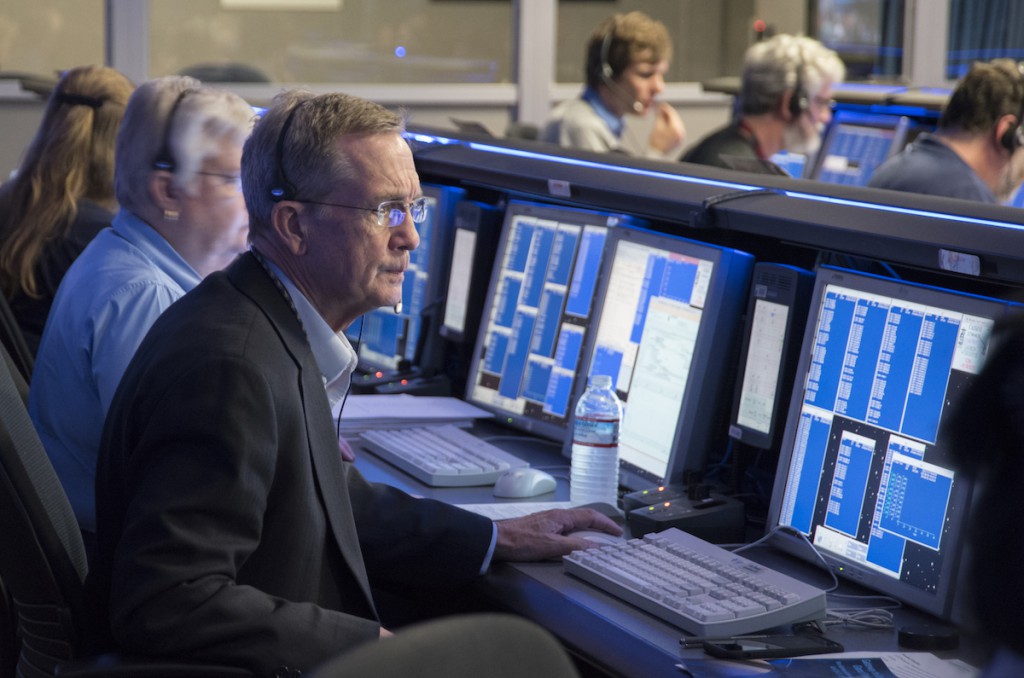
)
(1013, 138)
(799, 101)
(607, 72)
(285, 189)
(164, 159)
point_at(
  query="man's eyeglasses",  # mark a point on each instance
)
(390, 213)
(234, 180)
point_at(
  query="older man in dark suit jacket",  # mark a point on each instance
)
(230, 529)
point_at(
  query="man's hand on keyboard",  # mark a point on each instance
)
(544, 535)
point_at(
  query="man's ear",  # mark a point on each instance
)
(291, 230)
(164, 192)
(785, 107)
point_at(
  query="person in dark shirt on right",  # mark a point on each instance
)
(985, 434)
(784, 104)
(975, 152)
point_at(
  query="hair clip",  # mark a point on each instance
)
(79, 99)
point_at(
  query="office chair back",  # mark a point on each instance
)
(18, 352)
(42, 559)
(43, 565)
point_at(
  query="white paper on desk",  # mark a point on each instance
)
(404, 407)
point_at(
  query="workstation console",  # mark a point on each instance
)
(649, 275)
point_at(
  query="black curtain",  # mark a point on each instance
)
(980, 30)
(890, 54)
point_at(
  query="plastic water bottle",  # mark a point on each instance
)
(594, 474)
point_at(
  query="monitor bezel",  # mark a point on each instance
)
(941, 603)
(691, 446)
(796, 301)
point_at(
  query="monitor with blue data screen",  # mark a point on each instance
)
(408, 339)
(537, 314)
(668, 313)
(862, 471)
(856, 143)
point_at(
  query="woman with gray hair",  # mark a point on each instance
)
(182, 216)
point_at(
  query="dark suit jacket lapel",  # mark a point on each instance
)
(331, 472)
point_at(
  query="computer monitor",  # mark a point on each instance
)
(855, 144)
(477, 229)
(537, 314)
(862, 471)
(774, 327)
(406, 340)
(667, 316)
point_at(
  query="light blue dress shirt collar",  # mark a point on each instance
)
(615, 123)
(333, 353)
(142, 235)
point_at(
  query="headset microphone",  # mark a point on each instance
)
(608, 74)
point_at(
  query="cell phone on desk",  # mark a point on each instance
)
(771, 647)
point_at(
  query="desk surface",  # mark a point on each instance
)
(611, 636)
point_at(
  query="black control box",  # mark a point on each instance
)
(652, 496)
(716, 518)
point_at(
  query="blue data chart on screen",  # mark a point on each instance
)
(855, 144)
(864, 475)
(883, 363)
(542, 295)
(852, 157)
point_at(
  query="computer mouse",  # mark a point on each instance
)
(524, 482)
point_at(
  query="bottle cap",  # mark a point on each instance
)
(601, 381)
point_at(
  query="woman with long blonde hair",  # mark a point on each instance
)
(62, 195)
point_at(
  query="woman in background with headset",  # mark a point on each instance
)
(62, 194)
(627, 58)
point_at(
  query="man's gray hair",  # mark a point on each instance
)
(303, 160)
(784, 62)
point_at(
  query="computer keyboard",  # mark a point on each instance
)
(441, 455)
(696, 585)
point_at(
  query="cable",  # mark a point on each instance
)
(874, 617)
(344, 398)
(871, 618)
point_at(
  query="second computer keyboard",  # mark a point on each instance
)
(441, 455)
(696, 585)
